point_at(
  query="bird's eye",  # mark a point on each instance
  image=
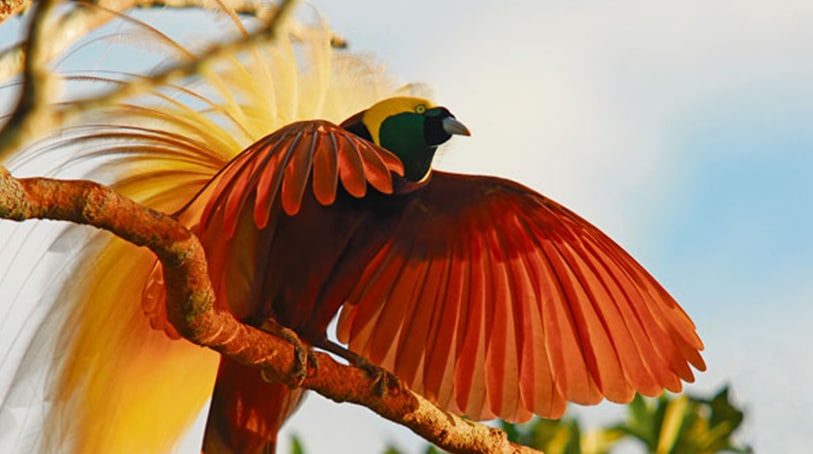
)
(420, 109)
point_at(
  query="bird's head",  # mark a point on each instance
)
(411, 128)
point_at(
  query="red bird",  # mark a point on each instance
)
(479, 293)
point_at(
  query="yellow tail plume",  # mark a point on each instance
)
(117, 384)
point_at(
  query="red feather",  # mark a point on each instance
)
(287, 159)
(542, 306)
(481, 294)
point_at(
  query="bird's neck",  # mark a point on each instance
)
(418, 163)
(404, 135)
(416, 157)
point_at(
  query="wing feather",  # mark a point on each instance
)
(502, 360)
(440, 364)
(377, 166)
(377, 322)
(390, 325)
(416, 327)
(351, 168)
(638, 316)
(297, 173)
(605, 330)
(494, 301)
(532, 368)
(246, 175)
(436, 335)
(632, 344)
(659, 327)
(282, 163)
(579, 357)
(470, 373)
(325, 171)
(267, 182)
(557, 332)
(377, 281)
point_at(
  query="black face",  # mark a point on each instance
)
(433, 131)
(356, 126)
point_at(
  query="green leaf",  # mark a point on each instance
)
(668, 425)
(296, 445)
(600, 441)
(511, 430)
(723, 411)
(672, 423)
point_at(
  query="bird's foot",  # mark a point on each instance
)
(305, 362)
(383, 380)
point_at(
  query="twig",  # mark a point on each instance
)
(31, 113)
(66, 31)
(190, 307)
(187, 69)
(32, 118)
(259, 9)
(9, 7)
(82, 19)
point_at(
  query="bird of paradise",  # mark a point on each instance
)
(308, 177)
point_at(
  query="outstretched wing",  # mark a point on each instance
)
(282, 162)
(278, 165)
(495, 301)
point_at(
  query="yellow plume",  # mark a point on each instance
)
(116, 385)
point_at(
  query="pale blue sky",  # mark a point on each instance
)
(681, 130)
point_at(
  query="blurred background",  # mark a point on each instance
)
(684, 131)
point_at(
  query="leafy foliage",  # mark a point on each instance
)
(668, 424)
(684, 424)
(296, 445)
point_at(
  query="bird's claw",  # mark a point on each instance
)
(383, 380)
(305, 363)
(387, 382)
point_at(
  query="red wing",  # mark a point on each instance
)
(280, 165)
(495, 301)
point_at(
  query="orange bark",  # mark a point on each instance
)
(11, 7)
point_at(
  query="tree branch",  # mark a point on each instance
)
(10, 7)
(190, 306)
